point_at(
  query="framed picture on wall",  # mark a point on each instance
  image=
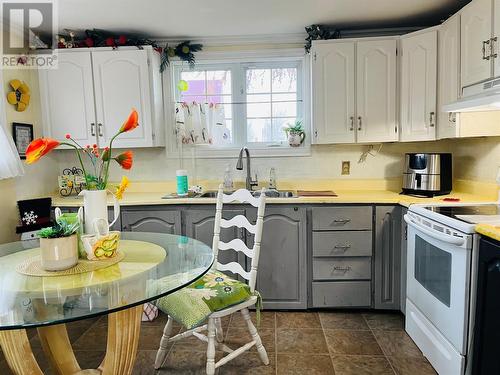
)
(23, 135)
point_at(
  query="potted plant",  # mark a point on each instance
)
(96, 176)
(295, 133)
(59, 246)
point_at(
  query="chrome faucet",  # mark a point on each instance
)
(239, 166)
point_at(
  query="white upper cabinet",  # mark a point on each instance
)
(354, 91)
(333, 92)
(376, 91)
(418, 86)
(449, 75)
(92, 92)
(67, 98)
(496, 38)
(121, 83)
(476, 30)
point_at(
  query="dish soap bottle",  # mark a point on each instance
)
(182, 182)
(228, 180)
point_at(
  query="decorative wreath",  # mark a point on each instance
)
(20, 96)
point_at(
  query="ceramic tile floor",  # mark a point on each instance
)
(312, 343)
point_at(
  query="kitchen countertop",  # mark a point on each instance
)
(344, 197)
(488, 230)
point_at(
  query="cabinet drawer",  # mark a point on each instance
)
(342, 244)
(341, 294)
(342, 218)
(342, 268)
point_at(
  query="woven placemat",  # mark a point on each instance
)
(33, 267)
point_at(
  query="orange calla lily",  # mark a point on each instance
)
(125, 159)
(131, 123)
(40, 147)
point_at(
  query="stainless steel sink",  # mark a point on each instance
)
(276, 194)
(208, 194)
(269, 193)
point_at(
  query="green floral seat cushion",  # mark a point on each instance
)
(215, 291)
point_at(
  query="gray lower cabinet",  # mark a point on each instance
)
(404, 248)
(387, 281)
(199, 224)
(342, 249)
(341, 294)
(152, 219)
(282, 272)
(118, 224)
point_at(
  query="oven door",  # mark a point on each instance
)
(438, 266)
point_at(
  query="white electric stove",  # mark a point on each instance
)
(441, 280)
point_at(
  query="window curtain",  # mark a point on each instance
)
(201, 123)
(10, 164)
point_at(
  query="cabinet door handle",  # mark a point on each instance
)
(452, 117)
(359, 123)
(486, 43)
(351, 128)
(493, 54)
(431, 119)
(92, 129)
(99, 127)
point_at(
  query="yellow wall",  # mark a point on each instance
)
(478, 158)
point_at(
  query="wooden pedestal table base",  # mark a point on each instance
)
(121, 351)
(17, 351)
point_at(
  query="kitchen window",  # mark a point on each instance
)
(258, 99)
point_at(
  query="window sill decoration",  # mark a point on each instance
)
(295, 133)
(19, 96)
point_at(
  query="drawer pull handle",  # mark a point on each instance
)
(342, 247)
(341, 221)
(341, 268)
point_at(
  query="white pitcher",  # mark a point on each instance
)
(95, 206)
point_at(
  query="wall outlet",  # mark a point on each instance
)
(346, 167)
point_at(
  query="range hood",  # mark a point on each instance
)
(477, 98)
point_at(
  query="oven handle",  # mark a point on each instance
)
(436, 235)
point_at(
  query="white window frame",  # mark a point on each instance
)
(241, 60)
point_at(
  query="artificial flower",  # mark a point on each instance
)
(131, 123)
(106, 154)
(89, 42)
(40, 147)
(122, 187)
(125, 159)
(122, 39)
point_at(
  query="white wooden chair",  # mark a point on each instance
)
(215, 334)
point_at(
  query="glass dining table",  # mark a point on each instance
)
(154, 266)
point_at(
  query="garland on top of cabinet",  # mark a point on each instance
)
(320, 32)
(102, 38)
